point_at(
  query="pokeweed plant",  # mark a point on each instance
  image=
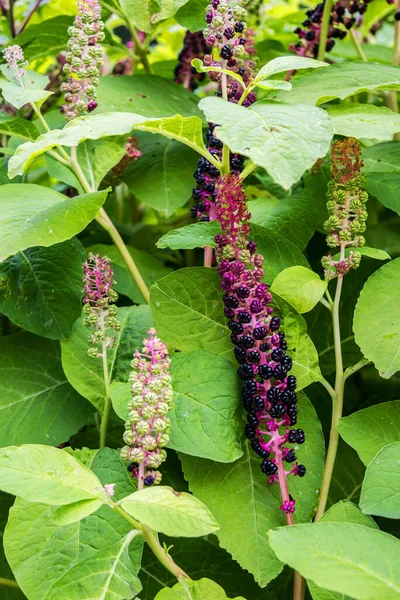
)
(146, 463)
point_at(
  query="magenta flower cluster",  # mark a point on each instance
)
(268, 395)
(99, 297)
(345, 14)
(147, 427)
(83, 60)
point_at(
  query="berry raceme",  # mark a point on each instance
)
(268, 393)
(346, 207)
(194, 46)
(147, 427)
(99, 297)
(83, 60)
(345, 15)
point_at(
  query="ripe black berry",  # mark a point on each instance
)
(244, 317)
(287, 362)
(276, 411)
(230, 301)
(250, 387)
(301, 470)
(293, 419)
(245, 341)
(257, 403)
(290, 456)
(279, 372)
(132, 466)
(229, 313)
(268, 467)
(254, 357)
(277, 354)
(300, 436)
(275, 323)
(226, 52)
(239, 27)
(252, 419)
(250, 432)
(292, 436)
(245, 372)
(243, 292)
(291, 382)
(264, 347)
(265, 371)
(240, 354)
(259, 333)
(273, 394)
(236, 163)
(149, 480)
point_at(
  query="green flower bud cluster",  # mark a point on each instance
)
(346, 207)
(99, 308)
(84, 59)
(147, 427)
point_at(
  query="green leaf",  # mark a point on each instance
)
(288, 63)
(191, 14)
(174, 513)
(44, 474)
(168, 9)
(245, 506)
(41, 288)
(84, 373)
(196, 235)
(375, 253)
(274, 84)
(364, 121)
(71, 513)
(92, 127)
(343, 557)
(32, 215)
(279, 252)
(340, 81)
(203, 414)
(138, 13)
(382, 158)
(381, 343)
(148, 95)
(37, 403)
(187, 311)
(348, 475)
(98, 157)
(384, 186)
(86, 559)
(300, 287)
(268, 131)
(198, 590)
(163, 177)
(372, 428)
(380, 493)
(150, 267)
(33, 90)
(21, 128)
(7, 592)
(44, 39)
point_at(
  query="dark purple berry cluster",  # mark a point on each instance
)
(345, 14)
(194, 46)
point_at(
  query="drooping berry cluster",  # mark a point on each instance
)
(194, 46)
(345, 14)
(16, 62)
(268, 394)
(225, 25)
(147, 427)
(346, 207)
(99, 297)
(83, 60)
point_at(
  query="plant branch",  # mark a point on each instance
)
(324, 29)
(249, 168)
(357, 45)
(29, 16)
(326, 304)
(9, 582)
(140, 50)
(328, 387)
(350, 370)
(11, 18)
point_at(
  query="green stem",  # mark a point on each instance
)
(326, 303)
(350, 370)
(249, 168)
(357, 45)
(337, 402)
(324, 29)
(139, 48)
(8, 582)
(107, 401)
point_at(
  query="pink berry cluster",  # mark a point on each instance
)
(346, 208)
(147, 427)
(83, 60)
(345, 15)
(194, 46)
(99, 297)
(268, 393)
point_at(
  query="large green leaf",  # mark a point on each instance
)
(18, 127)
(93, 127)
(45, 474)
(382, 158)
(198, 590)
(168, 8)
(32, 215)
(46, 38)
(10, 592)
(84, 373)
(380, 494)
(300, 287)
(148, 95)
(187, 311)
(31, 91)
(343, 557)
(245, 506)
(88, 559)
(267, 133)
(340, 81)
(191, 14)
(364, 121)
(97, 157)
(174, 513)
(196, 235)
(204, 412)
(41, 288)
(163, 177)
(380, 343)
(288, 63)
(384, 186)
(37, 403)
(347, 477)
(372, 428)
(150, 267)
(138, 13)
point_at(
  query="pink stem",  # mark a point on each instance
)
(282, 478)
(208, 251)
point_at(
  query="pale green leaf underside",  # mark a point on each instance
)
(267, 133)
(380, 494)
(195, 235)
(288, 63)
(300, 287)
(204, 589)
(364, 121)
(381, 343)
(173, 513)
(342, 557)
(372, 428)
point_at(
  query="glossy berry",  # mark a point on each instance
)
(250, 387)
(259, 333)
(276, 411)
(301, 470)
(252, 419)
(243, 292)
(240, 354)
(148, 481)
(245, 372)
(250, 432)
(290, 456)
(287, 362)
(265, 371)
(268, 467)
(245, 341)
(132, 466)
(254, 357)
(279, 373)
(235, 327)
(226, 52)
(300, 436)
(275, 323)
(231, 301)
(239, 27)
(257, 403)
(264, 347)
(244, 317)
(273, 394)
(291, 382)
